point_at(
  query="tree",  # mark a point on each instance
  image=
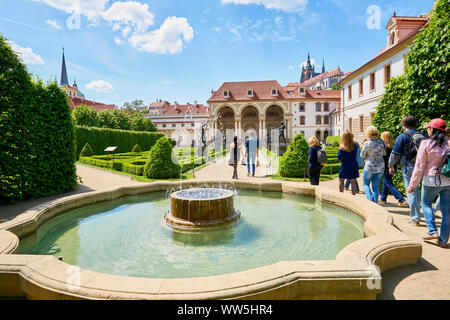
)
(294, 162)
(428, 71)
(135, 106)
(336, 86)
(85, 116)
(106, 119)
(121, 119)
(87, 151)
(159, 163)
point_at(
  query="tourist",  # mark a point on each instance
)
(360, 162)
(234, 157)
(437, 205)
(349, 166)
(430, 158)
(404, 152)
(242, 151)
(314, 167)
(373, 151)
(388, 184)
(252, 151)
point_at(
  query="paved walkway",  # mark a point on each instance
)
(428, 279)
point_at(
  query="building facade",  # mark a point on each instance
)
(363, 88)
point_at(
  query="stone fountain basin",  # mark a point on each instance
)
(354, 274)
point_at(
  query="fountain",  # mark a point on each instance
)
(201, 208)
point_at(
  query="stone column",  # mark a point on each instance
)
(288, 120)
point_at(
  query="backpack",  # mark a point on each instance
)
(413, 147)
(322, 156)
(443, 169)
(359, 160)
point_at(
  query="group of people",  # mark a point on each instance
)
(248, 151)
(420, 156)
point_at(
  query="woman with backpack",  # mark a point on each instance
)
(360, 162)
(234, 157)
(373, 151)
(347, 154)
(314, 166)
(388, 184)
(431, 157)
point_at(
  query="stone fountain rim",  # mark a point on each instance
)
(228, 194)
(348, 276)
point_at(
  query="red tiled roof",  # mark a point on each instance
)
(97, 106)
(158, 104)
(322, 76)
(262, 90)
(177, 109)
(316, 94)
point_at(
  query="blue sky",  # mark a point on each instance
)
(178, 50)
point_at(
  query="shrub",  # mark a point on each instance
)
(100, 138)
(332, 139)
(85, 116)
(87, 151)
(295, 160)
(335, 144)
(159, 164)
(37, 138)
(136, 149)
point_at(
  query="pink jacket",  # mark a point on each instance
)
(429, 158)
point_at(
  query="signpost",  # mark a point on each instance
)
(110, 149)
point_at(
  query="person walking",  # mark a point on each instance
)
(251, 152)
(373, 151)
(404, 152)
(437, 205)
(314, 167)
(360, 162)
(430, 159)
(388, 184)
(349, 166)
(234, 157)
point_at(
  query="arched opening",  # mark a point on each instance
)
(274, 116)
(318, 135)
(250, 122)
(325, 135)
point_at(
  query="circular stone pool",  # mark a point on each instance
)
(128, 236)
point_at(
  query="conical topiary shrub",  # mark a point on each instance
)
(159, 163)
(294, 163)
(87, 151)
(136, 149)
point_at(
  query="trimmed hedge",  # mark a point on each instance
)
(100, 138)
(87, 151)
(333, 139)
(159, 164)
(37, 154)
(294, 162)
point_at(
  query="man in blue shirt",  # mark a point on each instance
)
(251, 152)
(399, 155)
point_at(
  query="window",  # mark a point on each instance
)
(318, 107)
(318, 120)
(174, 125)
(182, 124)
(274, 91)
(303, 133)
(372, 81)
(392, 40)
(387, 74)
(349, 92)
(372, 114)
(249, 92)
(301, 90)
(192, 124)
(361, 123)
(164, 125)
(361, 87)
(326, 107)
(326, 120)
(302, 120)
(350, 125)
(302, 107)
(226, 94)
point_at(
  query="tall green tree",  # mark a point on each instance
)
(428, 71)
(135, 106)
(85, 116)
(294, 162)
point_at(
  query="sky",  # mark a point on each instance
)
(180, 50)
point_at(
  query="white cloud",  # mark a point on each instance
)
(53, 24)
(167, 39)
(26, 54)
(130, 13)
(118, 41)
(100, 86)
(92, 9)
(283, 5)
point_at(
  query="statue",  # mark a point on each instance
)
(282, 129)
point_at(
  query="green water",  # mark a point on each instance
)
(128, 237)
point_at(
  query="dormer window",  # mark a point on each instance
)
(250, 93)
(226, 93)
(392, 39)
(274, 92)
(301, 90)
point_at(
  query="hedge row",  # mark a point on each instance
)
(100, 138)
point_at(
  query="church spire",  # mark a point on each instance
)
(308, 63)
(64, 79)
(323, 66)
